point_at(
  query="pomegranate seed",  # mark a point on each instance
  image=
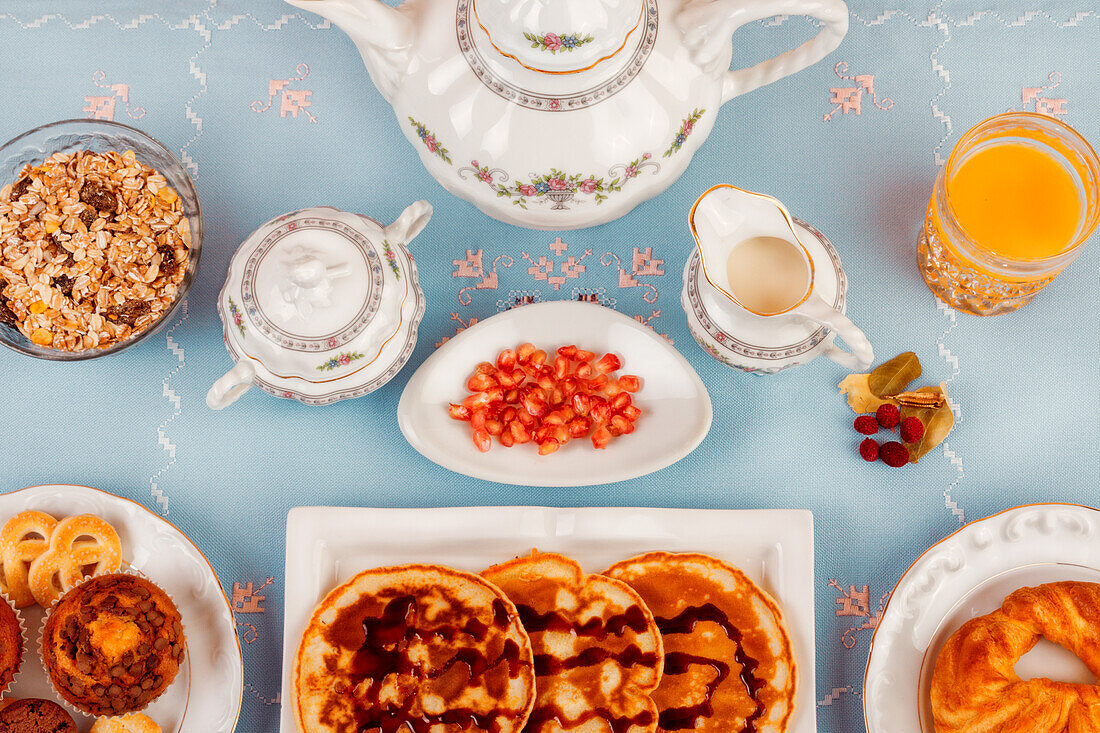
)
(579, 427)
(631, 412)
(526, 419)
(507, 359)
(622, 424)
(600, 412)
(523, 353)
(598, 383)
(546, 381)
(483, 441)
(621, 402)
(506, 439)
(556, 397)
(496, 427)
(519, 432)
(583, 355)
(582, 403)
(476, 401)
(613, 388)
(542, 433)
(600, 438)
(495, 394)
(548, 446)
(481, 383)
(567, 412)
(535, 404)
(568, 351)
(508, 414)
(518, 376)
(538, 357)
(614, 430)
(569, 386)
(504, 379)
(485, 367)
(459, 412)
(630, 383)
(561, 367)
(554, 418)
(561, 434)
(608, 363)
(478, 418)
(585, 371)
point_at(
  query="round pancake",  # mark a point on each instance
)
(417, 648)
(598, 652)
(729, 663)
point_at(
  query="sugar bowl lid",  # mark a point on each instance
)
(559, 36)
(320, 296)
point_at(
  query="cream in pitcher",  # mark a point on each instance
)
(761, 279)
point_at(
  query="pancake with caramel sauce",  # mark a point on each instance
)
(729, 663)
(598, 653)
(414, 649)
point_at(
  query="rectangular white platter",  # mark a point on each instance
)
(326, 546)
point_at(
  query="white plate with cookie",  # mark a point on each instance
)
(963, 578)
(327, 546)
(205, 696)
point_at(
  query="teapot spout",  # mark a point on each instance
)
(383, 35)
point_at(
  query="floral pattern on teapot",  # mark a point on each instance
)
(554, 42)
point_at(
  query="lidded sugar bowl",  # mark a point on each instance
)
(321, 305)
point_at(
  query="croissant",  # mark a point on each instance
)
(975, 688)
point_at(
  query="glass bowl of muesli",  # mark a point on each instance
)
(100, 237)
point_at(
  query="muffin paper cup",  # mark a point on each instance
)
(124, 570)
(22, 643)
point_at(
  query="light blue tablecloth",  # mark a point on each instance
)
(272, 110)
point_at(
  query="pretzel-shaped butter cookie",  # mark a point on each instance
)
(132, 723)
(23, 539)
(80, 542)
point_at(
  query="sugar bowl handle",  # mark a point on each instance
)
(231, 386)
(411, 222)
(708, 25)
(861, 357)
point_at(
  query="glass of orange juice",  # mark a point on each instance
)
(1013, 205)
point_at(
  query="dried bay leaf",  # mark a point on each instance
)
(938, 422)
(860, 397)
(895, 375)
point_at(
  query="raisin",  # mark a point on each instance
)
(88, 216)
(98, 196)
(129, 312)
(19, 188)
(167, 255)
(64, 283)
(6, 314)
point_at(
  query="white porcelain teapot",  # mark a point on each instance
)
(561, 114)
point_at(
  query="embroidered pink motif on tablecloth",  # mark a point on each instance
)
(850, 99)
(102, 107)
(291, 101)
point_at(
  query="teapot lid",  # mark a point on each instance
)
(315, 295)
(559, 36)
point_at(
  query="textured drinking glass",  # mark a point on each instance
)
(971, 277)
(100, 136)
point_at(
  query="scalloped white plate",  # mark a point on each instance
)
(966, 575)
(206, 696)
(677, 409)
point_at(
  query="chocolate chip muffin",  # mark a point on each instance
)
(113, 644)
(11, 644)
(34, 715)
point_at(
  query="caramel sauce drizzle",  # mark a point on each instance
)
(683, 718)
(383, 653)
(633, 618)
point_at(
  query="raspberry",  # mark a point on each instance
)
(888, 416)
(866, 424)
(895, 454)
(912, 430)
(868, 450)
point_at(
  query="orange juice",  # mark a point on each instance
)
(1015, 201)
(1013, 205)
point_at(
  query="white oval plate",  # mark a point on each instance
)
(206, 696)
(966, 575)
(676, 407)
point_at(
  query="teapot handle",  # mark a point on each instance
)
(862, 356)
(708, 26)
(231, 385)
